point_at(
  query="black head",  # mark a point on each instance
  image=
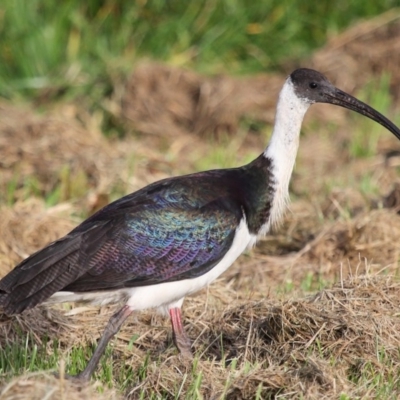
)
(310, 85)
(313, 87)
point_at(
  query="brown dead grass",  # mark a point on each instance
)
(49, 150)
(39, 386)
(368, 49)
(65, 150)
(290, 344)
(308, 345)
(29, 226)
(166, 100)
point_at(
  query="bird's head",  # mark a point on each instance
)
(312, 87)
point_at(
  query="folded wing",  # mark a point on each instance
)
(143, 240)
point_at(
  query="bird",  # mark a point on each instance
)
(152, 248)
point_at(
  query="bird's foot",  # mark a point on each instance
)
(184, 345)
(80, 378)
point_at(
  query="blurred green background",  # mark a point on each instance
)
(73, 49)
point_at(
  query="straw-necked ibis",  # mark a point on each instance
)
(153, 247)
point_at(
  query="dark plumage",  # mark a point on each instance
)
(178, 228)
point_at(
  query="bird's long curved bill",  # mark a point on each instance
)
(340, 98)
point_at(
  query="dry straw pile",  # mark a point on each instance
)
(309, 345)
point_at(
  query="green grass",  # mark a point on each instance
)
(364, 140)
(223, 152)
(77, 50)
(70, 186)
(25, 355)
(385, 384)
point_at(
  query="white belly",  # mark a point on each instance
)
(164, 294)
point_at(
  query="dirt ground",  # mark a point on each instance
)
(267, 310)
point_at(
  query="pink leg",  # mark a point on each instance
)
(182, 341)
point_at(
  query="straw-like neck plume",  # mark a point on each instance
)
(283, 146)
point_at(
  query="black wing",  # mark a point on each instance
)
(175, 229)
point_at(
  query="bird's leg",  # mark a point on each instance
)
(181, 340)
(113, 326)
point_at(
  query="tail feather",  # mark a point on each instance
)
(40, 261)
(15, 304)
(40, 275)
(59, 271)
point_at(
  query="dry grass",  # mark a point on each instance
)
(309, 345)
(166, 100)
(257, 331)
(40, 386)
(369, 48)
(48, 149)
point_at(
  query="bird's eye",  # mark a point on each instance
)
(313, 85)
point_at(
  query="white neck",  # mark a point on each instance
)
(283, 146)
